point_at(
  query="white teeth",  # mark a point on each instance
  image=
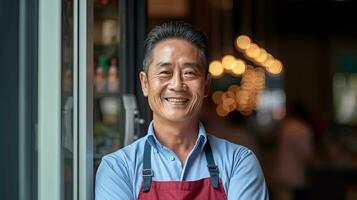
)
(176, 100)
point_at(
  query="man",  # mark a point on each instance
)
(177, 159)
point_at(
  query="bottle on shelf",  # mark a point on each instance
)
(100, 76)
(106, 2)
(109, 107)
(109, 31)
(113, 81)
(67, 78)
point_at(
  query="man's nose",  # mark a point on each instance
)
(176, 82)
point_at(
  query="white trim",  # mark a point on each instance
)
(75, 99)
(49, 100)
(85, 100)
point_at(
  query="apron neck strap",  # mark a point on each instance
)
(212, 167)
(147, 172)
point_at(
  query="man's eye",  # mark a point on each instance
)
(190, 73)
(165, 73)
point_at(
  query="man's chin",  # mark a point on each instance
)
(181, 118)
(176, 116)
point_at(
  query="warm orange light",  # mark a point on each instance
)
(243, 96)
(275, 67)
(253, 51)
(246, 96)
(229, 104)
(248, 78)
(268, 62)
(260, 87)
(263, 56)
(259, 77)
(239, 67)
(220, 111)
(259, 71)
(234, 88)
(238, 94)
(242, 42)
(228, 62)
(228, 94)
(217, 97)
(216, 69)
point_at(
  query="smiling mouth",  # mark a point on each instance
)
(177, 101)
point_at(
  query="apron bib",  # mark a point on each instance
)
(210, 188)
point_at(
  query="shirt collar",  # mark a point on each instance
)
(200, 142)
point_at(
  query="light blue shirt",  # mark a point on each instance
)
(119, 174)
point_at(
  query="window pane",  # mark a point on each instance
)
(107, 136)
(67, 100)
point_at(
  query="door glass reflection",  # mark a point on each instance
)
(67, 100)
(107, 137)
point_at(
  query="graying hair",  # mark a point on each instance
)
(172, 30)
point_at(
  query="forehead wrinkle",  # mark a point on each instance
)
(166, 55)
(164, 64)
(193, 65)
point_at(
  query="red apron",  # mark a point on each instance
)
(210, 188)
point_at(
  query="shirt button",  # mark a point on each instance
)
(172, 158)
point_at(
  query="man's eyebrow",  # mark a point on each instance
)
(193, 65)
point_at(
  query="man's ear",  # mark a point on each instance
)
(144, 83)
(207, 84)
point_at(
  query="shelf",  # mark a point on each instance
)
(109, 5)
(106, 46)
(107, 50)
(106, 94)
(109, 11)
(106, 133)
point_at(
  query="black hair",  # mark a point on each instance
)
(172, 30)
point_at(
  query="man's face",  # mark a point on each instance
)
(176, 82)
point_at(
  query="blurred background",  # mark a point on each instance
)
(284, 84)
(301, 122)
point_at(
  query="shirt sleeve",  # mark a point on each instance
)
(247, 181)
(113, 180)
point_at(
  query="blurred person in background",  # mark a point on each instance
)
(295, 151)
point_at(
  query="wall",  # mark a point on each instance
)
(9, 98)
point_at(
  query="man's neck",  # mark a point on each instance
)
(179, 137)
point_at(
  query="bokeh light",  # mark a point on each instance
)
(239, 67)
(275, 67)
(246, 96)
(216, 69)
(242, 42)
(228, 62)
(220, 111)
(263, 56)
(253, 51)
(217, 97)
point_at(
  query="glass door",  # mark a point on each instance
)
(106, 102)
(68, 148)
(89, 55)
(59, 159)
(118, 35)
